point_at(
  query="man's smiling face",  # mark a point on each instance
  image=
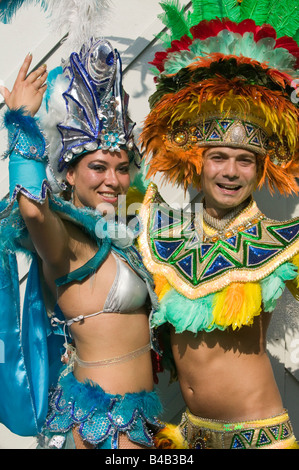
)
(229, 177)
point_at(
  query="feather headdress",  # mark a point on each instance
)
(85, 107)
(228, 76)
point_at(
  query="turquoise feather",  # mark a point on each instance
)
(197, 315)
(228, 43)
(282, 15)
(274, 285)
(185, 314)
(8, 8)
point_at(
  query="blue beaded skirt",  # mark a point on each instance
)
(98, 416)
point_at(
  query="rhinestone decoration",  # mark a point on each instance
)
(95, 102)
(100, 417)
(220, 132)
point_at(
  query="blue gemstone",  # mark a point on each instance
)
(193, 241)
(263, 438)
(274, 431)
(248, 435)
(285, 432)
(255, 140)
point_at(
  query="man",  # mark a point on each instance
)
(222, 119)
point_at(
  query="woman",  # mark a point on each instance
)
(102, 292)
(223, 120)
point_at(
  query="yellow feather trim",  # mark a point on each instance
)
(170, 437)
(293, 446)
(161, 285)
(295, 261)
(134, 196)
(237, 304)
(293, 285)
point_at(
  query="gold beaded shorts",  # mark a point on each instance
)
(272, 433)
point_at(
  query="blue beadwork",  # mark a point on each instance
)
(251, 230)
(248, 435)
(101, 416)
(219, 264)
(257, 255)
(232, 240)
(204, 248)
(162, 220)
(186, 264)
(237, 443)
(166, 249)
(288, 233)
(263, 438)
(24, 136)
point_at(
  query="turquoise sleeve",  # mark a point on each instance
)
(27, 156)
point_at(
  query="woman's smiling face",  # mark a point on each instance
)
(229, 177)
(99, 178)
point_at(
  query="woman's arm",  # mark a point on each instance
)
(46, 229)
(28, 91)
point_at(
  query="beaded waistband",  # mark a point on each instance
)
(99, 415)
(273, 432)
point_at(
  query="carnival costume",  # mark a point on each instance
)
(227, 77)
(84, 109)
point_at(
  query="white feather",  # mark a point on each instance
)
(81, 19)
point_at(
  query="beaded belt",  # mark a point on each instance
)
(272, 433)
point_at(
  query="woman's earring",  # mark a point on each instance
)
(72, 194)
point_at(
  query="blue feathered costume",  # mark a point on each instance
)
(31, 346)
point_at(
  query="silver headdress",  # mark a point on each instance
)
(86, 108)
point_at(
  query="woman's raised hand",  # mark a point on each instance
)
(28, 90)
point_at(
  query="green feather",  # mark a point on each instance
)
(231, 10)
(196, 15)
(210, 9)
(284, 17)
(257, 10)
(174, 19)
